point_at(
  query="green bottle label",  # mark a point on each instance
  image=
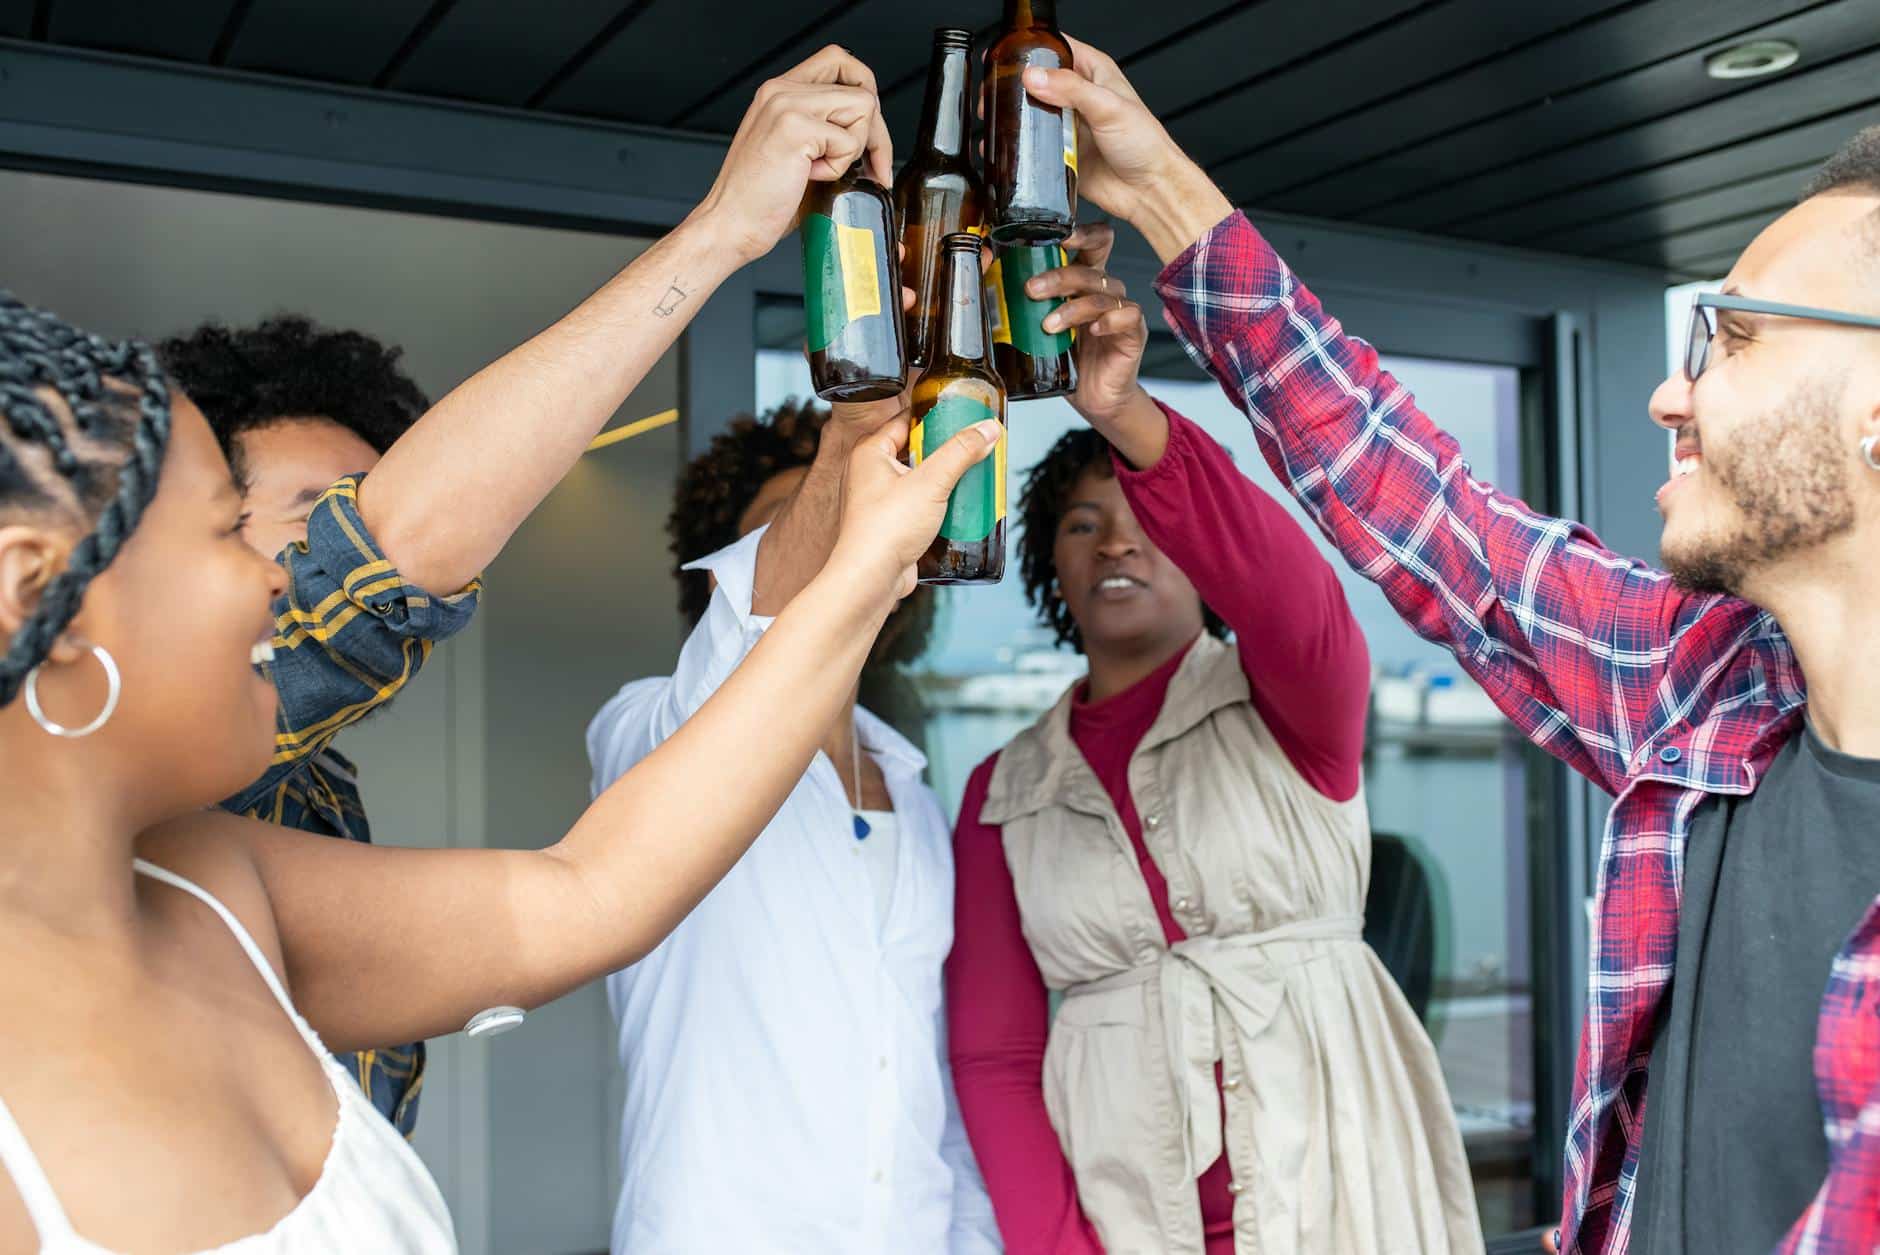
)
(978, 501)
(841, 278)
(1025, 316)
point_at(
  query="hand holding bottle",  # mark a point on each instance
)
(810, 124)
(1129, 165)
(891, 512)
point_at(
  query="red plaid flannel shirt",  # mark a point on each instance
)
(1659, 696)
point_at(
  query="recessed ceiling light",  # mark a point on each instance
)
(1753, 60)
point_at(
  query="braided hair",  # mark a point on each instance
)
(84, 422)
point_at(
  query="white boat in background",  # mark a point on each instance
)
(1035, 681)
(1435, 700)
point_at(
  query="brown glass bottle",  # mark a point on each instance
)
(1031, 148)
(959, 389)
(937, 192)
(1033, 363)
(852, 290)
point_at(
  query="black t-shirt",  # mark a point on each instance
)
(1773, 885)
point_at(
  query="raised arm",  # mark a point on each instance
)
(1304, 655)
(1569, 638)
(1305, 659)
(384, 944)
(508, 434)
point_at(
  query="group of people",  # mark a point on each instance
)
(1124, 1004)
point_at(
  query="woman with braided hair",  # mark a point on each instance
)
(147, 933)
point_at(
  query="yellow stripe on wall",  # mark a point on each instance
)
(665, 418)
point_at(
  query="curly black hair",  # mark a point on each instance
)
(86, 423)
(718, 486)
(1855, 168)
(291, 367)
(1041, 504)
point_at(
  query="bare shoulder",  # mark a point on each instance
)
(16, 1227)
(216, 851)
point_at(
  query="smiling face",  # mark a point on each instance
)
(1127, 598)
(185, 609)
(1766, 466)
(286, 466)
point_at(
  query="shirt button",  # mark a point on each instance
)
(1153, 820)
(877, 1177)
(1230, 1083)
(1182, 904)
(1235, 1187)
(881, 1064)
(1670, 754)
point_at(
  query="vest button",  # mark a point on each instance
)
(1235, 1187)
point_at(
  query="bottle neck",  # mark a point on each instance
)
(964, 333)
(943, 116)
(1020, 14)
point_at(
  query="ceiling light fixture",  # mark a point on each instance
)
(1753, 60)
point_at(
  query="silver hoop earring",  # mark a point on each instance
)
(1867, 448)
(114, 689)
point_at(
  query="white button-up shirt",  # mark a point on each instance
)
(787, 1087)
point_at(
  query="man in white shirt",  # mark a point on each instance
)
(786, 1077)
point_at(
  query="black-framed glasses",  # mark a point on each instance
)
(1703, 328)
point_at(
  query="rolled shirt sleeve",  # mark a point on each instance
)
(349, 634)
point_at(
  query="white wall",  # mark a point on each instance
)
(485, 749)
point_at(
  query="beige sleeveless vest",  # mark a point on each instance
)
(1338, 1127)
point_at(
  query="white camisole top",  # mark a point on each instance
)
(373, 1193)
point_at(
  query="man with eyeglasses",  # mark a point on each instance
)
(1731, 703)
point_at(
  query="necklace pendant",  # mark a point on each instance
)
(861, 828)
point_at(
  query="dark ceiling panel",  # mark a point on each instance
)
(1601, 133)
(1660, 112)
(1178, 72)
(892, 39)
(183, 30)
(1533, 224)
(1772, 191)
(16, 19)
(501, 52)
(340, 41)
(1707, 249)
(1277, 174)
(672, 56)
(1414, 49)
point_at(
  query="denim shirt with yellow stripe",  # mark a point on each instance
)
(348, 636)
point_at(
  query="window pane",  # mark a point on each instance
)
(1445, 774)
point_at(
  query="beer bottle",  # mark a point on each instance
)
(959, 389)
(937, 192)
(1033, 362)
(1031, 148)
(852, 290)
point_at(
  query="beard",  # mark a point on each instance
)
(1787, 473)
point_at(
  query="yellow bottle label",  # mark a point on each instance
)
(997, 315)
(861, 280)
(1070, 139)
